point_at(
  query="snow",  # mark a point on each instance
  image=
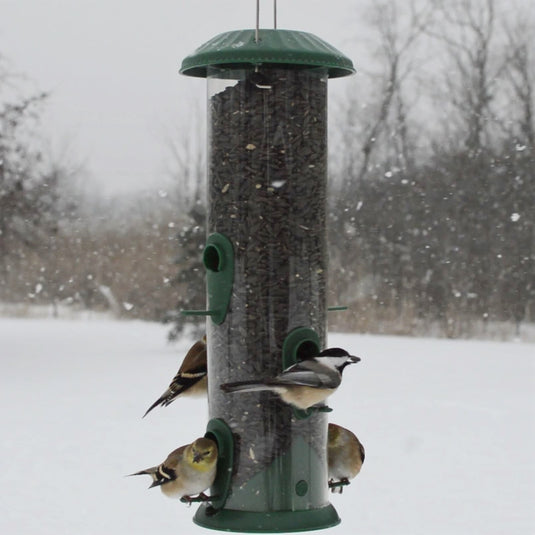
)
(448, 427)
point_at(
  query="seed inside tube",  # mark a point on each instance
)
(273, 212)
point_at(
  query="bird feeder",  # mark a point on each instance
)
(266, 266)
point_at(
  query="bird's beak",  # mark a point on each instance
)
(353, 359)
(157, 483)
(197, 457)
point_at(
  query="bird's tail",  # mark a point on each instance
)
(159, 401)
(153, 472)
(246, 386)
(167, 397)
(148, 471)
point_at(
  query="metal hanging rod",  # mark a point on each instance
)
(256, 38)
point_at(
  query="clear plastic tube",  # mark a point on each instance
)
(267, 172)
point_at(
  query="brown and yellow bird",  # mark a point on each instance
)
(190, 378)
(187, 471)
(345, 456)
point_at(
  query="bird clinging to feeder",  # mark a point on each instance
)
(190, 379)
(345, 456)
(306, 383)
(187, 471)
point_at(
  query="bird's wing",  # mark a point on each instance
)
(195, 360)
(308, 373)
(174, 458)
(182, 381)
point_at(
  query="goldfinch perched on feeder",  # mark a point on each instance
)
(345, 455)
(306, 383)
(187, 471)
(190, 378)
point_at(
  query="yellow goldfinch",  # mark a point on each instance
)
(306, 383)
(345, 456)
(187, 471)
(190, 378)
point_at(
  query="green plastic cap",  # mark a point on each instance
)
(239, 49)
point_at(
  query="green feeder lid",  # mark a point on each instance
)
(282, 47)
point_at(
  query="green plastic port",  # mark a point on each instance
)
(300, 344)
(219, 431)
(218, 259)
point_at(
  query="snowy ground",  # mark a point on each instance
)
(448, 426)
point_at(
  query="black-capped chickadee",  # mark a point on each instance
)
(345, 455)
(190, 378)
(306, 383)
(187, 471)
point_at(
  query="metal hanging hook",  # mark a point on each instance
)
(256, 38)
(257, 20)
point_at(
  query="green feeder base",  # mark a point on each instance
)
(263, 522)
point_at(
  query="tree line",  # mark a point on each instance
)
(432, 190)
(435, 180)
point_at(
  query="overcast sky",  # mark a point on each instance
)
(112, 69)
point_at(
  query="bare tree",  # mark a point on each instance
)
(396, 41)
(187, 164)
(467, 29)
(28, 187)
(520, 78)
(442, 227)
(378, 134)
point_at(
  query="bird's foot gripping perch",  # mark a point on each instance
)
(202, 497)
(338, 486)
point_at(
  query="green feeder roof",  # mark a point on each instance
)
(238, 49)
